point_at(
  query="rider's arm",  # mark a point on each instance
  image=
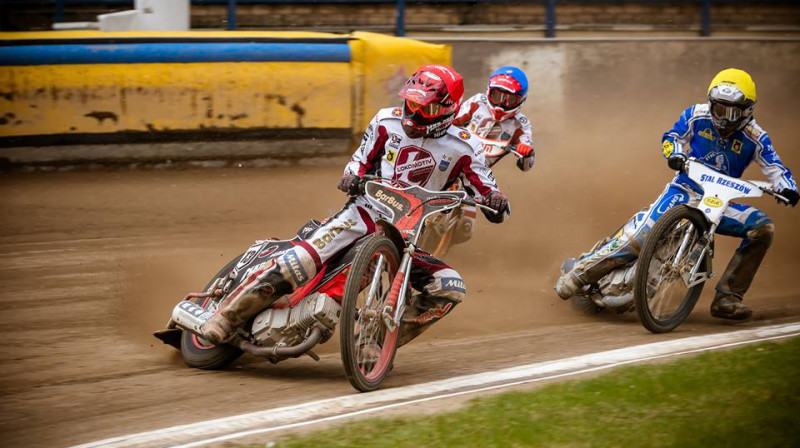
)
(525, 143)
(464, 114)
(370, 151)
(673, 141)
(479, 178)
(770, 163)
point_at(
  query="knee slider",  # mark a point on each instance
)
(763, 233)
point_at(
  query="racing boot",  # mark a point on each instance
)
(730, 306)
(569, 283)
(234, 311)
(424, 311)
(736, 279)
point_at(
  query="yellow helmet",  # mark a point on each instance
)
(731, 98)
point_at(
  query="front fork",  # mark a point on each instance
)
(398, 291)
(695, 257)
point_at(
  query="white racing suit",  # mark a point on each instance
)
(694, 135)
(478, 119)
(476, 116)
(387, 152)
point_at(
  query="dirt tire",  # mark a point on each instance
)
(199, 354)
(664, 227)
(368, 375)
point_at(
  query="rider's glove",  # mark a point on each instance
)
(349, 184)
(496, 201)
(677, 161)
(791, 195)
(525, 150)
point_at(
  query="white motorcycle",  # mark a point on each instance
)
(675, 261)
(665, 282)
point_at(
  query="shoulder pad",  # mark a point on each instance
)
(753, 130)
(390, 113)
(482, 98)
(699, 110)
(463, 136)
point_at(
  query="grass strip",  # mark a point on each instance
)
(746, 397)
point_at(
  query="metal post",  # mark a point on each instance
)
(59, 11)
(550, 18)
(231, 15)
(400, 19)
(705, 18)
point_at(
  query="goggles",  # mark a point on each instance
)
(431, 110)
(503, 99)
(726, 112)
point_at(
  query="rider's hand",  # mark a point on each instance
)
(791, 195)
(677, 161)
(496, 201)
(349, 184)
(525, 150)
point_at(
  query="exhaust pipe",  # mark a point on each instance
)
(277, 351)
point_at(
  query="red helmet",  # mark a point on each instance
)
(432, 97)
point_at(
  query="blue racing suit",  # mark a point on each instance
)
(694, 135)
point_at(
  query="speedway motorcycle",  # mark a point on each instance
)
(442, 229)
(364, 291)
(665, 282)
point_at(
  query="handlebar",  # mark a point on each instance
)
(774, 194)
(766, 190)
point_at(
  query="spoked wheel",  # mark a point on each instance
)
(199, 353)
(661, 295)
(368, 347)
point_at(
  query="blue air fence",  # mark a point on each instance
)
(551, 9)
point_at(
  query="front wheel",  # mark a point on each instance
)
(661, 296)
(367, 345)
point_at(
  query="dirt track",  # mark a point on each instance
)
(92, 262)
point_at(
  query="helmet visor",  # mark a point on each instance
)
(727, 112)
(503, 99)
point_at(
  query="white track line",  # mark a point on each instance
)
(212, 431)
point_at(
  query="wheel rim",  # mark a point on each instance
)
(666, 290)
(374, 344)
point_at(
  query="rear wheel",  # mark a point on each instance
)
(368, 347)
(199, 353)
(661, 296)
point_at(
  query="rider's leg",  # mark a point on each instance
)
(757, 229)
(442, 289)
(622, 248)
(283, 274)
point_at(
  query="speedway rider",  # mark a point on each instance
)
(724, 135)
(411, 145)
(495, 115)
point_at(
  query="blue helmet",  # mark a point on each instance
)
(506, 90)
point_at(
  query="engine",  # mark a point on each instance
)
(289, 326)
(617, 287)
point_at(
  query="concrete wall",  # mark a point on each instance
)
(139, 84)
(587, 97)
